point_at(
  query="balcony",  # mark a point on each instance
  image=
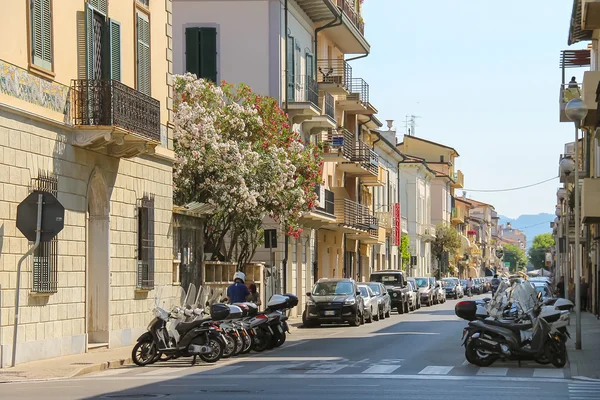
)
(357, 101)
(404, 225)
(428, 232)
(303, 98)
(590, 18)
(458, 215)
(110, 115)
(375, 180)
(352, 14)
(353, 217)
(590, 206)
(334, 76)
(588, 93)
(325, 121)
(324, 213)
(459, 180)
(355, 157)
(567, 94)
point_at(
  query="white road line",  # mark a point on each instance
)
(295, 344)
(548, 373)
(221, 370)
(114, 371)
(466, 363)
(330, 369)
(435, 370)
(282, 359)
(491, 371)
(165, 371)
(381, 369)
(270, 369)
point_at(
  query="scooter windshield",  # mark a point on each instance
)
(522, 293)
(167, 297)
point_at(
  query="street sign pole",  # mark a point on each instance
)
(38, 233)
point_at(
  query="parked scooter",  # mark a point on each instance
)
(488, 340)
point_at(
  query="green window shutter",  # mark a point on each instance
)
(114, 40)
(100, 5)
(143, 53)
(192, 51)
(310, 68)
(41, 33)
(208, 54)
(89, 41)
(291, 66)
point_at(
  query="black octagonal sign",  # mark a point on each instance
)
(53, 216)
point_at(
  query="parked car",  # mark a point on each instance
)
(543, 287)
(453, 288)
(334, 301)
(385, 302)
(413, 295)
(426, 290)
(371, 303)
(440, 292)
(395, 284)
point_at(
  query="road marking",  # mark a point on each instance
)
(329, 369)
(282, 359)
(295, 344)
(329, 386)
(114, 371)
(493, 371)
(381, 369)
(466, 363)
(502, 387)
(435, 370)
(548, 373)
(221, 370)
(165, 371)
(269, 369)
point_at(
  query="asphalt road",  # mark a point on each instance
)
(416, 356)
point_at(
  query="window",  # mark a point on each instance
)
(103, 43)
(291, 66)
(143, 52)
(201, 52)
(45, 256)
(310, 67)
(145, 3)
(41, 33)
(145, 247)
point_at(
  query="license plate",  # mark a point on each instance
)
(329, 313)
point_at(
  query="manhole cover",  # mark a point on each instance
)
(81, 363)
(135, 396)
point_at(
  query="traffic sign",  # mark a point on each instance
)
(53, 216)
(507, 264)
(499, 253)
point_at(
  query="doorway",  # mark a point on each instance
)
(98, 261)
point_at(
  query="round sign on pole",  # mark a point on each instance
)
(499, 253)
(53, 216)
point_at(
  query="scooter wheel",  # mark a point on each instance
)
(216, 353)
(230, 345)
(556, 352)
(475, 357)
(261, 341)
(281, 340)
(239, 345)
(144, 353)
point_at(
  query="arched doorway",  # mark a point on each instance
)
(98, 260)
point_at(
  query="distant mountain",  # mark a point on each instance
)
(531, 225)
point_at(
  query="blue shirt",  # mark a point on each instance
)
(237, 293)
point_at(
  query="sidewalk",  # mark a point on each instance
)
(585, 363)
(80, 364)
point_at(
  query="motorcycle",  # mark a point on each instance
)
(168, 334)
(488, 340)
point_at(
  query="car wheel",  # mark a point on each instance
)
(382, 313)
(362, 318)
(356, 320)
(370, 318)
(406, 307)
(376, 316)
(389, 312)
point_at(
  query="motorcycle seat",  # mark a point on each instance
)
(517, 328)
(188, 326)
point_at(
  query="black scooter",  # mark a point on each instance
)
(486, 341)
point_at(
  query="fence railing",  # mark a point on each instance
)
(353, 150)
(359, 87)
(99, 102)
(334, 71)
(358, 216)
(349, 9)
(330, 106)
(306, 89)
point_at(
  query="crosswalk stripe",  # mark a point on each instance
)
(270, 369)
(221, 370)
(115, 371)
(164, 371)
(548, 373)
(330, 369)
(435, 370)
(381, 369)
(498, 371)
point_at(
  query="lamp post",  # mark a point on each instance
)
(576, 111)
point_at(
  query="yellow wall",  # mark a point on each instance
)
(428, 151)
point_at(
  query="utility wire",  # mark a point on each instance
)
(510, 189)
(530, 226)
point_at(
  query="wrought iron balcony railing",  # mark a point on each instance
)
(98, 102)
(326, 200)
(334, 71)
(353, 150)
(304, 89)
(360, 88)
(330, 106)
(358, 216)
(349, 9)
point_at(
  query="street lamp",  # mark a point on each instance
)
(576, 111)
(567, 166)
(561, 193)
(558, 211)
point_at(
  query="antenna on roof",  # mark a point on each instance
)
(410, 124)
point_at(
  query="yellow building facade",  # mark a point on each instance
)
(85, 111)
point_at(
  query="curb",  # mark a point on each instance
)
(585, 378)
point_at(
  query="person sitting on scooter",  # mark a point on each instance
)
(238, 291)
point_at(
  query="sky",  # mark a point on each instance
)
(484, 78)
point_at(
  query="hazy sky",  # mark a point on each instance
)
(484, 77)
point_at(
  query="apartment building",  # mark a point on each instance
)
(299, 51)
(85, 105)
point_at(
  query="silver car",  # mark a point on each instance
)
(371, 303)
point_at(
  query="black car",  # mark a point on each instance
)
(395, 283)
(334, 301)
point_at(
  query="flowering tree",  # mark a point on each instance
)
(236, 151)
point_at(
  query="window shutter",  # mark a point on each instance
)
(41, 33)
(89, 41)
(100, 5)
(192, 51)
(143, 53)
(291, 69)
(208, 54)
(114, 45)
(151, 244)
(309, 65)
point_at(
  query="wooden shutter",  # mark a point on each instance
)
(145, 272)
(112, 46)
(143, 53)
(41, 33)
(192, 51)
(100, 5)
(208, 54)
(291, 66)
(310, 68)
(89, 41)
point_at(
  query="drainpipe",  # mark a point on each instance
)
(316, 257)
(400, 222)
(359, 57)
(285, 239)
